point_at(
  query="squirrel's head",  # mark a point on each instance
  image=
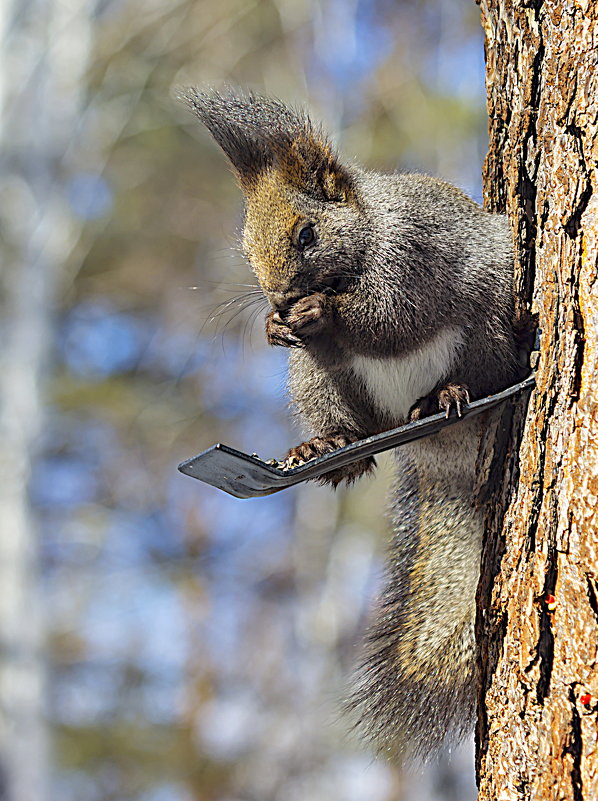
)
(304, 229)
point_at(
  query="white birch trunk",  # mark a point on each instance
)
(43, 50)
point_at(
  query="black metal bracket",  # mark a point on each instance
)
(246, 476)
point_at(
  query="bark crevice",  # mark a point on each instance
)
(545, 647)
(573, 224)
(575, 748)
(592, 595)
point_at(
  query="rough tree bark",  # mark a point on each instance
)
(538, 598)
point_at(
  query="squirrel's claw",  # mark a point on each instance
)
(278, 333)
(309, 315)
(306, 318)
(441, 399)
(453, 394)
(318, 446)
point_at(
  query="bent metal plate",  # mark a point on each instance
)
(247, 476)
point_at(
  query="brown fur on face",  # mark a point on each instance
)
(288, 172)
(276, 211)
(270, 221)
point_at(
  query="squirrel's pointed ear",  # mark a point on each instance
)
(335, 181)
(311, 164)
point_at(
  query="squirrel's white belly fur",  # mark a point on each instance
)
(396, 383)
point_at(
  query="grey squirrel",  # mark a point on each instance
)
(394, 296)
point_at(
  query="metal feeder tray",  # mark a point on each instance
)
(246, 476)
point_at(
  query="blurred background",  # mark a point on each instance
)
(161, 641)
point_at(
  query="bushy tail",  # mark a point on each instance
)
(416, 688)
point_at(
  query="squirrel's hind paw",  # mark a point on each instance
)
(318, 446)
(442, 399)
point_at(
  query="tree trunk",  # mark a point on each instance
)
(538, 597)
(42, 57)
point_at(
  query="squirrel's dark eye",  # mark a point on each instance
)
(306, 236)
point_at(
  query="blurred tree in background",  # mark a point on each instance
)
(196, 644)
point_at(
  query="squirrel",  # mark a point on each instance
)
(393, 293)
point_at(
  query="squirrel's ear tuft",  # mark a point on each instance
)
(248, 128)
(227, 118)
(256, 133)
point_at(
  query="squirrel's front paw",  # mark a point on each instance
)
(318, 446)
(279, 333)
(442, 399)
(309, 315)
